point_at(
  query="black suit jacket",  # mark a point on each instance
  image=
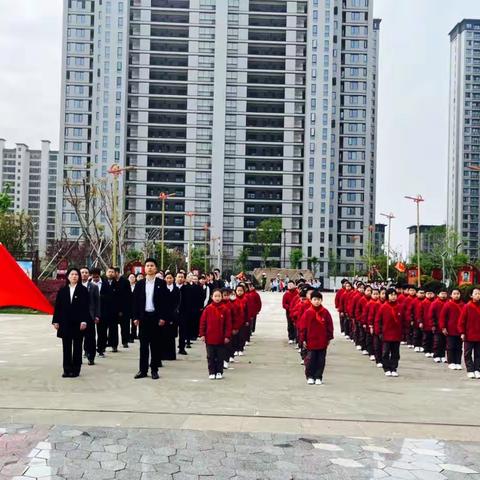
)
(140, 298)
(70, 314)
(170, 304)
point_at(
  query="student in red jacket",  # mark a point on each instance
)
(352, 311)
(425, 322)
(372, 304)
(288, 296)
(241, 322)
(216, 332)
(338, 302)
(372, 315)
(317, 334)
(439, 340)
(343, 308)
(303, 305)
(417, 331)
(390, 324)
(227, 297)
(255, 305)
(361, 320)
(449, 327)
(469, 328)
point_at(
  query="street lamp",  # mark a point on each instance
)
(390, 217)
(163, 197)
(189, 251)
(116, 171)
(418, 199)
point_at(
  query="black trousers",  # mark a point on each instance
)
(149, 335)
(102, 334)
(369, 343)
(428, 342)
(377, 348)
(253, 324)
(72, 354)
(347, 324)
(342, 323)
(439, 345)
(454, 350)
(472, 356)
(315, 364)
(244, 334)
(90, 343)
(133, 331)
(291, 330)
(390, 356)
(183, 334)
(113, 331)
(124, 329)
(215, 358)
(410, 334)
(417, 337)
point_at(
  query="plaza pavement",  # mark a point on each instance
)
(261, 418)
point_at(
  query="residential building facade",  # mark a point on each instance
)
(30, 177)
(240, 110)
(464, 135)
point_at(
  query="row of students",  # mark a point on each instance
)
(309, 326)
(438, 326)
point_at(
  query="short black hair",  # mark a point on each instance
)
(317, 294)
(117, 269)
(151, 260)
(391, 291)
(70, 270)
(85, 268)
(95, 271)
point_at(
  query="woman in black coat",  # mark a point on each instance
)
(169, 305)
(70, 319)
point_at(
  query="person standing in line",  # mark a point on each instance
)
(469, 329)
(182, 312)
(317, 333)
(416, 313)
(90, 342)
(287, 299)
(124, 306)
(338, 299)
(106, 310)
(71, 318)
(367, 315)
(116, 303)
(344, 303)
(389, 325)
(439, 340)
(372, 315)
(132, 280)
(216, 332)
(170, 305)
(147, 317)
(449, 326)
(425, 322)
(241, 320)
(362, 304)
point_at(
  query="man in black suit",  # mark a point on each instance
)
(123, 303)
(147, 316)
(90, 343)
(107, 309)
(183, 312)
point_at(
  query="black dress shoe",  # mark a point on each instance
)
(188, 346)
(155, 376)
(91, 362)
(74, 375)
(65, 375)
(125, 345)
(140, 375)
(182, 352)
(101, 354)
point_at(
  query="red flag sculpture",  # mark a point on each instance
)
(16, 289)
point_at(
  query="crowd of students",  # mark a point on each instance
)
(156, 308)
(438, 325)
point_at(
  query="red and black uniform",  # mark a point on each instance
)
(245, 328)
(439, 339)
(351, 308)
(254, 305)
(360, 323)
(417, 331)
(287, 299)
(216, 327)
(408, 315)
(469, 325)
(317, 331)
(366, 323)
(344, 302)
(373, 310)
(301, 308)
(390, 326)
(425, 320)
(338, 306)
(449, 322)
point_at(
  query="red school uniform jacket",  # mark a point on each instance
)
(424, 314)
(469, 322)
(344, 299)
(371, 312)
(257, 302)
(239, 312)
(407, 308)
(216, 324)
(390, 322)
(318, 328)
(300, 309)
(360, 308)
(352, 304)
(449, 317)
(434, 312)
(416, 312)
(288, 297)
(338, 298)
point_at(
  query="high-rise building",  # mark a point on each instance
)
(30, 177)
(464, 135)
(379, 243)
(432, 237)
(240, 110)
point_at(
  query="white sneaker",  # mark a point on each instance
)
(388, 374)
(452, 366)
(379, 365)
(458, 367)
(225, 365)
(417, 349)
(394, 374)
(477, 375)
(211, 377)
(219, 376)
(372, 357)
(290, 342)
(437, 359)
(409, 346)
(302, 362)
(403, 343)
(421, 349)
(444, 360)
(241, 354)
(311, 381)
(347, 337)
(232, 359)
(236, 354)
(427, 355)
(318, 382)
(359, 347)
(247, 343)
(470, 375)
(364, 352)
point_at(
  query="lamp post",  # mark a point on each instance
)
(163, 197)
(417, 200)
(190, 215)
(116, 171)
(390, 217)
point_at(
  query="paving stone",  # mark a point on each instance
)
(40, 471)
(127, 475)
(427, 475)
(457, 468)
(346, 462)
(397, 473)
(374, 449)
(329, 447)
(115, 448)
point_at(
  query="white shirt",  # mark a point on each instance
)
(170, 287)
(85, 284)
(132, 287)
(149, 288)
(72, 291)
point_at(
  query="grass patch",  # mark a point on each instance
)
(19, 311)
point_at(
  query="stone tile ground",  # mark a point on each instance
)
(65, 452)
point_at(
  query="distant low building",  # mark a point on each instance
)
(431, 236)
(31, 178)
(379, 244)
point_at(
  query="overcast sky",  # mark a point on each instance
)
(413, 94)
